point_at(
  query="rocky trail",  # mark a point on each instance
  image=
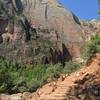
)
(81, 85)
(39, 24)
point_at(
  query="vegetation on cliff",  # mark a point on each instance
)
(15, 77)
(92, 47)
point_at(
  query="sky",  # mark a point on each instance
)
(84, 9)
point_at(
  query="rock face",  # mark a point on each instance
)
(33, 31)
(90, 28)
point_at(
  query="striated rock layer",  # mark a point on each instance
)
(34, 31)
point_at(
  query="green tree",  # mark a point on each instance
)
(98, 7)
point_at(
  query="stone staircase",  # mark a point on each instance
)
(57, 91)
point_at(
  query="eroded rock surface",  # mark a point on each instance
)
(24, 22)
(90, 28)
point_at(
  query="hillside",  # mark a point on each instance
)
(84, 84)
(47, 52)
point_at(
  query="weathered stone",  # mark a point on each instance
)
(30, 20)
(90, 28)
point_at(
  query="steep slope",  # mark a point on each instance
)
(81, 85)
(25, 24)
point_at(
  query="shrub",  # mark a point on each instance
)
(29, 79)
(71, 67)
(6, 82)
(92, 47)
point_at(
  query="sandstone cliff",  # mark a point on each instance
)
(25, 24)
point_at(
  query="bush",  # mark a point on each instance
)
(92, 47)
(71, 67)
(6, 82)
(29, 79)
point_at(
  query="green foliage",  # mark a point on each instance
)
(40, 47)
(92, 47)
(29, 78)
(98, 7)
(71, 67)
(98, 11)
(6, 82)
